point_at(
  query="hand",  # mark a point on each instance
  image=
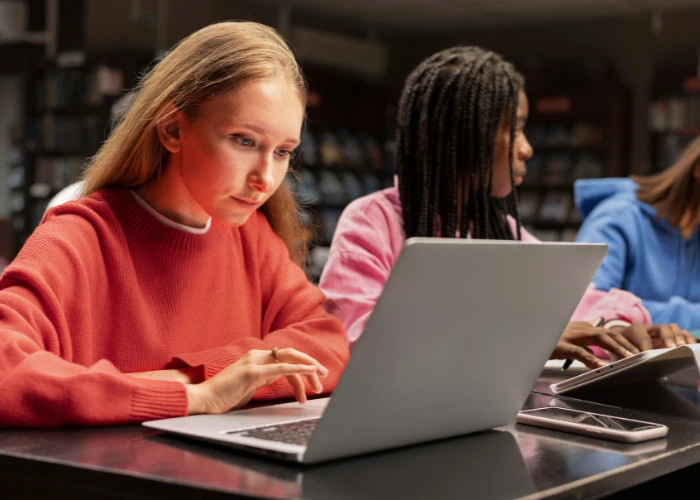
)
(579, 334)
(187, 375)
(235, 385)
(647, 337)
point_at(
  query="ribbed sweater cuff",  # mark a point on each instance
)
(158, 399)
(215, 360)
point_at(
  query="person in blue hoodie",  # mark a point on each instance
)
(651, 227)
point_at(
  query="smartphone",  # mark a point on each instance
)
(593, 424)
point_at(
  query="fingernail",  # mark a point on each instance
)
(324, 371)
(318, 390)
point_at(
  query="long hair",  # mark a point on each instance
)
(208, 63)
(448, 118)
(675, 192)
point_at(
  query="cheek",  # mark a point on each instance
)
(501, 185)
(279, 172)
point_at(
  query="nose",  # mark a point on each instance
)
(260, 178)
(525, 150)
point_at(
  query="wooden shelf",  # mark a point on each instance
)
(684, 132)
(57, 154)
(74, 110)
(596, 148)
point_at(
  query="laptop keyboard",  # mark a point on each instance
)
(292, 432)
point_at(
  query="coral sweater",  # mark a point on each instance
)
(102, 288)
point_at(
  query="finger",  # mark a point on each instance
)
(561, 350)
(298, 387)
(585, 357)
(290, 355)
(623, 341)
(315, 383)
(638, 336)
(666, 335)
(689, 339)
(604, 339)
(284, 369)
(677, 334)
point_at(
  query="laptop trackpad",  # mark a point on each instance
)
(276, 414)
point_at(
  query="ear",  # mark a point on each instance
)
(169, 129)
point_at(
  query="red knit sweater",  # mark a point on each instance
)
(102, 288)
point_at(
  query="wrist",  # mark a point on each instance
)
(195, 399)
(191, 374)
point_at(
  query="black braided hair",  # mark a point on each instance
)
(448, 120)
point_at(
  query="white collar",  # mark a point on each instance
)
(169, 222)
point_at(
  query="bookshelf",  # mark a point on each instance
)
(67, 117)
(345, 153)
(578, 129)
(674, 112)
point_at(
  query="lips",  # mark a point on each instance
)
(248, 202)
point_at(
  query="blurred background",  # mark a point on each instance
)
(614, 88)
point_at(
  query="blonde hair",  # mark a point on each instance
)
(675, 192)
(208, 63)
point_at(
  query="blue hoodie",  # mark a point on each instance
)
(646, 255)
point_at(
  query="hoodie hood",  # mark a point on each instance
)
(589, 193)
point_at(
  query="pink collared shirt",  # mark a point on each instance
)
(368, 240)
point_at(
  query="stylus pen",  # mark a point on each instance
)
(598, 322)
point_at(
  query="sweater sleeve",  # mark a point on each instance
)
(358, 267)
(38, 383)
(611, 304)
(292, 316)
(677, 310)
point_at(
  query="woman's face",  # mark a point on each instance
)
(235, 153)
(522, 151)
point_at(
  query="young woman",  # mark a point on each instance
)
(171, 287)
(651, 227)
(461, 150)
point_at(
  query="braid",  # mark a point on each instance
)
(513, 198)
(449, 116)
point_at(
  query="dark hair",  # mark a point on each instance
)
(675, 192)
(448, 118)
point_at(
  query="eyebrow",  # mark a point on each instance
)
(260, 130)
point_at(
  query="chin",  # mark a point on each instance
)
(234, 219)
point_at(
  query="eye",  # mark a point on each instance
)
(283, 153)
(243, 141)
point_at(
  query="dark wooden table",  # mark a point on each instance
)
(512, 462)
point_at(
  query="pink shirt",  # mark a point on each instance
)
(368, 240)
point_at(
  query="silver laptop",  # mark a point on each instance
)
(454, 345)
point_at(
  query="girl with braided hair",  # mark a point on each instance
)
(461, 152)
